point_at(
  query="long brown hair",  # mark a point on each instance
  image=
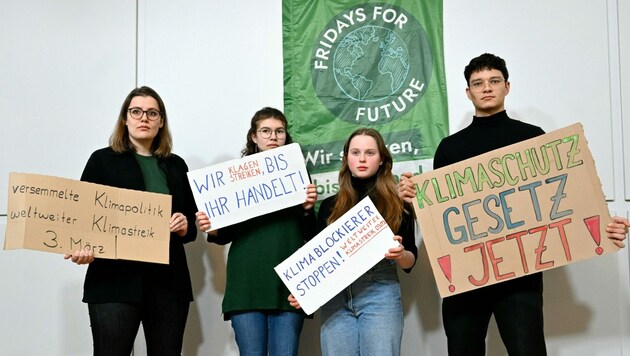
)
(161, 145)
(384, 191)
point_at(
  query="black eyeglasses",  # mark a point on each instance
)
(266, 132)
(136, 113)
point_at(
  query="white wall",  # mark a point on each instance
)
(65, 68)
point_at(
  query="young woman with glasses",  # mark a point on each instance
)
(122, 294)
(255, 298)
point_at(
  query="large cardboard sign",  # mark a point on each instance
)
(237, 190)
(61, 215)
(518, 210)
(337, 256)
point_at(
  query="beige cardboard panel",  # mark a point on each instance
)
(14, 232)
(12, 236)
(52, 238)
(62, 215)
(518, 210)
(129, 249)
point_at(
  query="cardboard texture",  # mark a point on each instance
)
(518, 210)
(240, 189)
(62, 215)
(337, 256)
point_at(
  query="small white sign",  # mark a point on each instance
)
(337, 256)
(240, 189)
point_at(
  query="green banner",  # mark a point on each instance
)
(350, 64)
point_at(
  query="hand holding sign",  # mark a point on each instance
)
(406, 189)
(311, 197)
(513, 211)
(179, 224)
(618, 230)
(71, 217)
(337, 256)
(401, 255)
(81, 257)
(203, 221)
(294, 302)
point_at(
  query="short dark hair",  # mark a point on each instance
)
(265, 113)
(485, 61)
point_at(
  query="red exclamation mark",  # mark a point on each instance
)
(445, 264)
(592, 224)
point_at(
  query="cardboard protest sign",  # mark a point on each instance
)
(61, 215)
(337, 256)
(237, 190)
(518, 210)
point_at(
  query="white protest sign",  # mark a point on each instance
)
(237, 190)
(337, 256)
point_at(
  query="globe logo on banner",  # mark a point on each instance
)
(371, 64)
(353, 64)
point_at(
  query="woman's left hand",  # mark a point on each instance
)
(179, 224)
(398, 252)
(311, 197)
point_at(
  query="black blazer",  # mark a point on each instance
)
(124, 281)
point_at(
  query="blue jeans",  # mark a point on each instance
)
(366, 318)
(260, 333)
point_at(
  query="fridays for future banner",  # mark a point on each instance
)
(518, 210)
(351, 64)
(239, 189)
(337, 256)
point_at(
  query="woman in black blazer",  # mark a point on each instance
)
(122, 294)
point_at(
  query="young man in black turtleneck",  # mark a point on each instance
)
(488, 85)
(516, 304)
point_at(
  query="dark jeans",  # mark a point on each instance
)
(115, 326)
(517, 308)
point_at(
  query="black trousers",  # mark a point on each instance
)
(517, 308)
(115, 325)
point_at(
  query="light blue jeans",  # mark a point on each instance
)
(262, 333)
(366, 318)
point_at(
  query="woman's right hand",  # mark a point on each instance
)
(204, 222)
(294, 303)
(81, 257)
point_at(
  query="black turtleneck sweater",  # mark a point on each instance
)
(363, 187)
(483, 135)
